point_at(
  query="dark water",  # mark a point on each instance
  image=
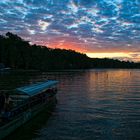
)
(95, 104)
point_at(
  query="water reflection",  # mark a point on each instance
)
(95, 104)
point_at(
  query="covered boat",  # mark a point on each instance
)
(26, 102)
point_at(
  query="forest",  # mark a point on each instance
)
(18, 53)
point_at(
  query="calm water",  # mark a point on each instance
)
(95, 104)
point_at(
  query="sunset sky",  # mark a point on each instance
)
(99, 28)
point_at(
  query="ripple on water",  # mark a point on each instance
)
(96, 104)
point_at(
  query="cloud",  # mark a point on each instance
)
(101, 25)
(43, 24)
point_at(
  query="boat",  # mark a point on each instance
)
(26, 102)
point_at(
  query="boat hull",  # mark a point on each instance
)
(24, 117)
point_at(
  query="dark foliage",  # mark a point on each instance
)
(19, 54)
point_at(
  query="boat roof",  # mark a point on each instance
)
(35, 89)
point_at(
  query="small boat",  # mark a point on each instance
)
(26, 102)
(5, 71)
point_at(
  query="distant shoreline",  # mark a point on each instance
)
(17, 53)
(69, 70)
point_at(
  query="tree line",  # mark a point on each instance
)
(17, 53)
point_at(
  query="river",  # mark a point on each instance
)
(100, 104)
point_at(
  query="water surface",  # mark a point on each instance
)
(93, 104)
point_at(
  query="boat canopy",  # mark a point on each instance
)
(35, 89)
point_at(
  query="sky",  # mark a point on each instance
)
(99, 28)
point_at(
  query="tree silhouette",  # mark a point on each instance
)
(19, 54)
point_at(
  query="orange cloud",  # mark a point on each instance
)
(117, 55)
(66, 45)
(122, 53)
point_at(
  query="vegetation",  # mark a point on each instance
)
(19, 54)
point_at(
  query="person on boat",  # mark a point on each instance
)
(2, 101)
(7, 101)
(7, 106)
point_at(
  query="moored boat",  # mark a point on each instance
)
(25, 103)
